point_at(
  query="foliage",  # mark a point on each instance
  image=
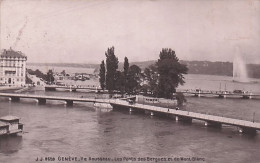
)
(112, 65)
(126, 66)
(133, 79)
(50, 77)
(63, 72)
(120, 82)
(37, 73)
(47, 77)
(163, 77)
(151, 77)
(180, 98)
(170, 72)
(123, 76)
(28, 80)
(102, 75)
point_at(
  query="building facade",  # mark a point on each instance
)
(12, 68)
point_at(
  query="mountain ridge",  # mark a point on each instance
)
(195, 67)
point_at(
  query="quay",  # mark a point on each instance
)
(221, 94)
(119, 104)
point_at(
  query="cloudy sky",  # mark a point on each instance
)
(80, 31)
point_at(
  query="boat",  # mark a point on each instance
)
(10, 125)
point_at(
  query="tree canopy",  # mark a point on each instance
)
(102, 75)
(170, 72)
(133, 79)
(161, 79)
(126, 66)
(151, 77)
(112, 65)
(50, 77)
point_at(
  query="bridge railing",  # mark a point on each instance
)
(200, 115)
(247, 118)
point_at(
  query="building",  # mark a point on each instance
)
(12, 68)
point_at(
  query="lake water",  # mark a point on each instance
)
(83, 131)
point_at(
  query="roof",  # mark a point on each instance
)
(12, 54)
(9, 118)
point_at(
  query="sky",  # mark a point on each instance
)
(80, 31)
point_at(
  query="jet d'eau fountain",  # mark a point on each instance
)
(239, 68)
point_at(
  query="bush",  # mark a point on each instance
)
(180, 98)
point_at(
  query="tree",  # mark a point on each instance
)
(151, 78)
(180, 98)
(170, 72)
(37, 73)
(126, 66)
(120, 82)
(63, 72)
(133, 79)
(50, 77)
(112, 65)
(28, 80)
(102, 75)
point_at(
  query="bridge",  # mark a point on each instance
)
(119, 104)
(186, 116)
(42, 99)
(222, 94)
(71, 87)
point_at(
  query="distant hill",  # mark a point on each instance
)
(209, 68)
(142, 64)
(195, 67)
(78, 65)
(253, 70)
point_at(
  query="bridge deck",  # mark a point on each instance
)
(73, 87)
(54, 98)
(187, 114)
(214, 93)
(193, 115)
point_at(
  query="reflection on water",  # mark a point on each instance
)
(10, 144)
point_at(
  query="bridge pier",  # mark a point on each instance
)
(183, 119)
(50, 89)
(247, 130)
(69, 102)
(250, 96)
(41, 101)
(246, 97)
(72, 89)
(197, 95)
(149, 112)
(213, 124)
(15, 99)
(222, 95)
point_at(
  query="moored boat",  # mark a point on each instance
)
(10, 125)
